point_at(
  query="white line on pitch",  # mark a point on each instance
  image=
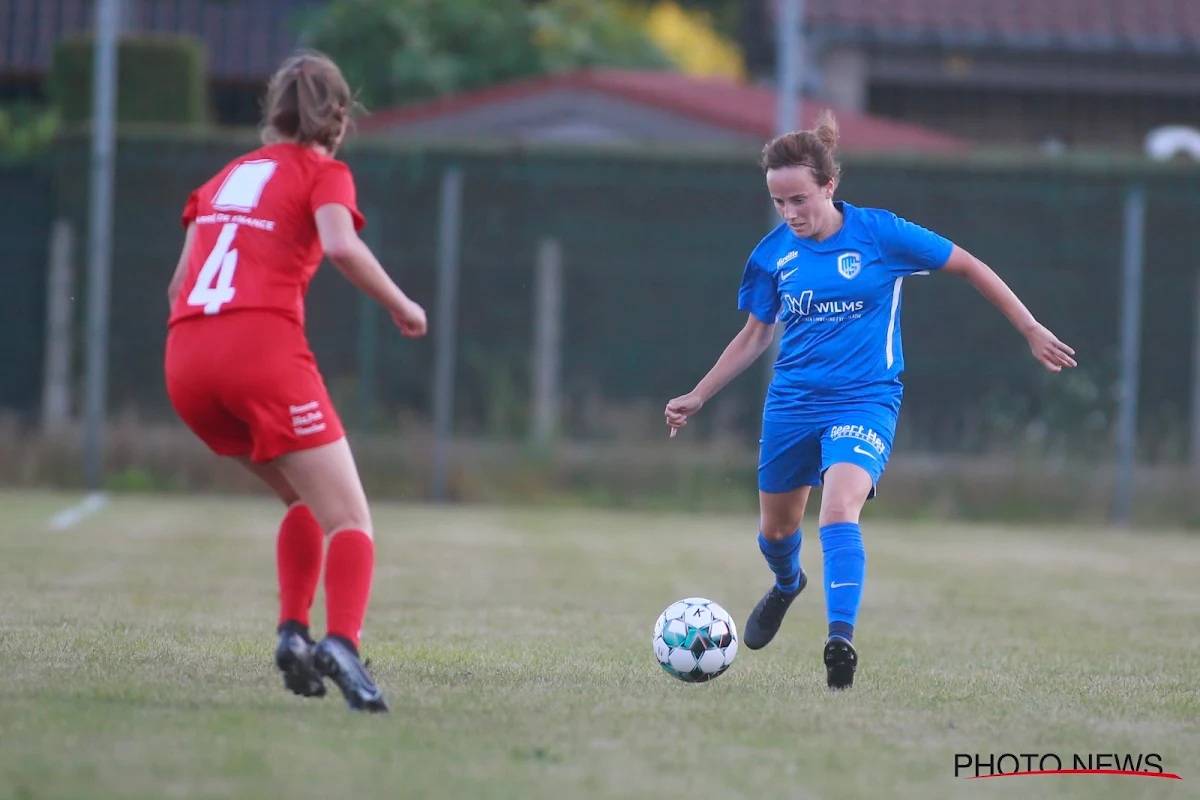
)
(78, 512)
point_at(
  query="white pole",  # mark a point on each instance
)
(1131, 307)
(100, 216)
(547, 340)
(368, 333)
(789, 51)
(56, 383)
(1196, 383)
(445, 325)
(788, 108)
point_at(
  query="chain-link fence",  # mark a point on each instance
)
(652, 246)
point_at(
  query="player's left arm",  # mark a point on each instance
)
(1046, 347)
(181, 265)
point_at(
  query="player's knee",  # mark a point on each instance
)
(776, 529)
(847, 487)
(350, 520)
(340, 514)
(361, 527)
(841, 507)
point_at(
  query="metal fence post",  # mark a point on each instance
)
(445, 325)
(1131, 324)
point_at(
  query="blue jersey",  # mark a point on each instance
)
(839, 303)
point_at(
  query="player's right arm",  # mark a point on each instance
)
(352, 257)
(758, 295)
(750, 342)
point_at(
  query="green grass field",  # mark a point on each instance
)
(514, 647)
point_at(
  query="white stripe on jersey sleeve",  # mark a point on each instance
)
(891, 333)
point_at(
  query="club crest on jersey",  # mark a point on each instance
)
(849, 265)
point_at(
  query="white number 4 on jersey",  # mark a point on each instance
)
(241, 191)
(214, 284)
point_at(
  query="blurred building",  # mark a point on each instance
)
(1093, 73)
(608, 106)
(245, 40)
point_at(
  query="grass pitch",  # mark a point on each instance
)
(514, 647)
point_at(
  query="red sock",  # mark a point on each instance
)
(348, 570)
(298, 552)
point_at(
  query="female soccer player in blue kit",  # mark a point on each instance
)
(831, 274)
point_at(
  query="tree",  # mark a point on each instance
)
(571, 34)
(725, 15)
(692, 40)
(397, 51)
(26, 130)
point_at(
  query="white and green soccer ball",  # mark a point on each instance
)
(695, 640)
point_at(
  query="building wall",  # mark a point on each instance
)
(244, 39)
(1088, 100)
(568, 115)
(998, 116)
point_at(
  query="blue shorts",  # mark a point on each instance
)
(797, 453)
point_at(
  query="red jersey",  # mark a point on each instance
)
(256, 244)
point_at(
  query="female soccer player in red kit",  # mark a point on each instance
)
(240, 373)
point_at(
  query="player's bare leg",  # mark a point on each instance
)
(847, 487)
(327, 480)
(780, 516)
(299, 552)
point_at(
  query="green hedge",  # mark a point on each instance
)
(162, 79)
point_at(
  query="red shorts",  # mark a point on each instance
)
(247, 384)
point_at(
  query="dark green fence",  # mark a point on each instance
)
(654, 245)
(26, 210)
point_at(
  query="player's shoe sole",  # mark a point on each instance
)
(841, 660)
(294, 658)
(764, 621)
(337, 661)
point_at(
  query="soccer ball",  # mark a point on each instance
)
(695, 640)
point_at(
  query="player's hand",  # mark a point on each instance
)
(410, 319)
(679, 409)
(1047, 349)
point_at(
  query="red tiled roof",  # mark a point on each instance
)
(1150, 25)
(734, 106)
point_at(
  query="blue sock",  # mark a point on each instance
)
(784, 559)
(845, 568)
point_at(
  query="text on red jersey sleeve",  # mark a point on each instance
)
(190, 209)
(335, 184)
